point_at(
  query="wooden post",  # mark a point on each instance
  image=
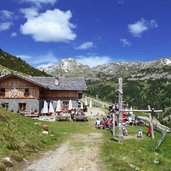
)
(151, 122)
(120, 125)
(161, 139)
(113, 124)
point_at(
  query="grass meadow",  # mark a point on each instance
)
(21, 139)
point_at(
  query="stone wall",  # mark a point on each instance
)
(13, 104)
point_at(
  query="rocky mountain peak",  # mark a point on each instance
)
(134, 70)
(67, 67)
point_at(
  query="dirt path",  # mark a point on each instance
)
(80, 153)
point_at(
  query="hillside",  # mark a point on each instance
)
(19, 138)
(22, 140)
(10, 63)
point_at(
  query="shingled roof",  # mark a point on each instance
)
(65, 83)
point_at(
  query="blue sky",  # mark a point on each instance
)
(94, 32)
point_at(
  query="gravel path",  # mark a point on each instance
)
(80, 153)
(93, 112)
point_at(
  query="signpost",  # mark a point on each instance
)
(120, 124)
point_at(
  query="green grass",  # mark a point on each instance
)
(136, 154)
(21, 138)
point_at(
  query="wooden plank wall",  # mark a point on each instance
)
(15, 87)
(59, 94)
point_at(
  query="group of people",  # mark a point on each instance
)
(76, 112)
(107, 122)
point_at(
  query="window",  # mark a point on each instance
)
(80, 95)
(2, 91)
(4, 105)
(26, 92)
(22, 106)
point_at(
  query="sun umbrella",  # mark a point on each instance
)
(81, 105)
(86, 102)
(51, 109)
(45, 108)
(58, 107)
(70, 105)
(90, 103)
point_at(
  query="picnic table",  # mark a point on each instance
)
(28, 114)
(66, 117)
(80, 118)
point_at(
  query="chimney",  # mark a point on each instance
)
(56, 81)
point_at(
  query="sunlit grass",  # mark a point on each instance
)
(21, 137)
(136, 154)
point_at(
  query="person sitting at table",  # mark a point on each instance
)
(31, 111)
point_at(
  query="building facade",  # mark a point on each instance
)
(21, 93)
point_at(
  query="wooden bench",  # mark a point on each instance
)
(36, 115)
(63, 118)
(80, 118)
(28, 114)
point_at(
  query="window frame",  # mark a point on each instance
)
(2, 91)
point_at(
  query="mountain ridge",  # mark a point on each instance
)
(155, 69)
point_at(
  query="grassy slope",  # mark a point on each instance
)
(20, 137)
(134, 154)
(13, 63)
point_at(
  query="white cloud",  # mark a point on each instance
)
(40, 2)
(153, 24)
(141, 26)
(120, 2)
(93, 61)
(29, 12)
(5, 26)
(45, 65)
(41, 60)
(25, 57)
(85, 45)
(6, 15)
(125, 42)
(51, 26)
(14, 34)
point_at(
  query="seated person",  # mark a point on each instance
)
(130, 121)
(31, 111)
(97, 124)
(108, 123)
(101, 125)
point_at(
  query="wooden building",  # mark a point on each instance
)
(21, 93)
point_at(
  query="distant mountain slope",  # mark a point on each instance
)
(67, 67)
(146, 83)
(10, 63)
(156, 69)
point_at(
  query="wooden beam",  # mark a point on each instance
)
(136, 110)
